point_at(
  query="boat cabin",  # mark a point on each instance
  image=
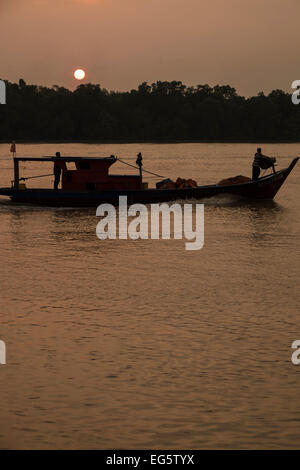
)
(85, 174)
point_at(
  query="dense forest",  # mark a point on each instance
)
(163, 111)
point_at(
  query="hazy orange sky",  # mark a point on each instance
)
(251, 45)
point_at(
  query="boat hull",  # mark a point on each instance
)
(265, 188)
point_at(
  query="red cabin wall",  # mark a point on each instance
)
(96, 177)
(73, 181)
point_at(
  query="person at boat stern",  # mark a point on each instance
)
(57, 171)
(255, 165)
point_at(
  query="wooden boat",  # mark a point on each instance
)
(90, 184)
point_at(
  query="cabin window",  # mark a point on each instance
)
(71, 166)
(90, 186)
(84, 165)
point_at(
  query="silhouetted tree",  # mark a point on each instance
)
(161, 111)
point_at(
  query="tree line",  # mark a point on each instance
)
(162, 111)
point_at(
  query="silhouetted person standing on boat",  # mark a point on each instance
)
(261, 161)
(255, 165)
(57, 172)
(139, 162)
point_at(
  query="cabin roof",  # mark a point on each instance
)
(63, 159)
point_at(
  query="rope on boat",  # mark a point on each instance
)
(145, 171)
(32, 177)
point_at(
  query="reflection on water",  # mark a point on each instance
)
(141, 344)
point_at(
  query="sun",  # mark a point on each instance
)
(79, 74)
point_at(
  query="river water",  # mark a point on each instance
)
(142, 344)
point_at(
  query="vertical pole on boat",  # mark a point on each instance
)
(16, 173)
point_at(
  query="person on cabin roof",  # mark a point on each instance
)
(139, 160)
(57, 172)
